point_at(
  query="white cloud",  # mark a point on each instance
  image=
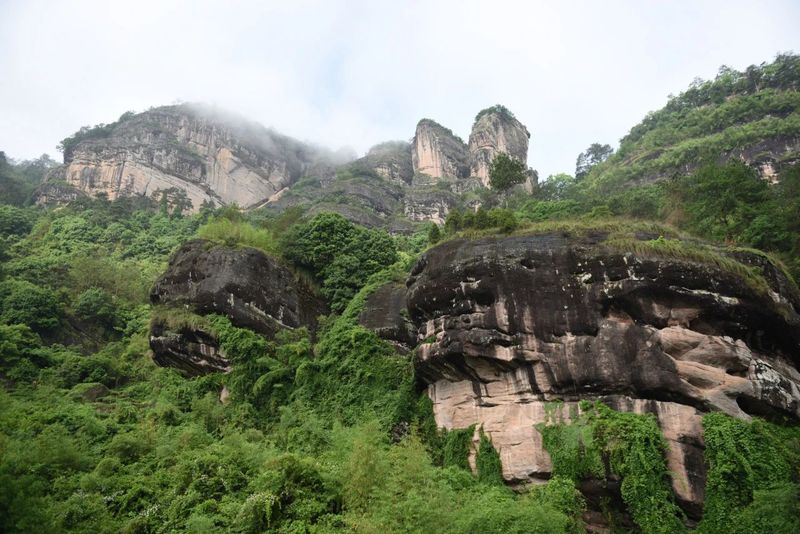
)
(357, 73)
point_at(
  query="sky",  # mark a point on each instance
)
(355, 73)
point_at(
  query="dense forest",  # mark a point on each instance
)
(332, 431)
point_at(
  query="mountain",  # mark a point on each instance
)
(216, 158)
(222, 329)
(751, 116)
(212, 156)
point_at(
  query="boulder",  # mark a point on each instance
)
(509, 324)
(251, 288)
(385, 313)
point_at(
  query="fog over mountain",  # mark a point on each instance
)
(357, 73)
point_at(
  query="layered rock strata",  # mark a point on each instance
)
(211, 156)
(508, 325)
(437, 151)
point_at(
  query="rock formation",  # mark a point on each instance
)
(509, 324)
(390, 160)
(211, 156)
(495, 130)
(250, 288)
(437, 152)
(385, 313)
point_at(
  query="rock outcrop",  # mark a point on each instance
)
(385, 313)
(390, 160)
(495, 130)
(437, 151)
(509, 324)
(211, 156)
(190, 349)
(252, 289)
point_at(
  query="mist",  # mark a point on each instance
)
(354, 74)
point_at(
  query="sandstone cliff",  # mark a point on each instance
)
(212, 156)
(495, 130)
(437, 152)
(508, 325)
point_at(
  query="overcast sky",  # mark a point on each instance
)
(353, 73)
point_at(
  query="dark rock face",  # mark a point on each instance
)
(192, 351)
(508, 324)
(385, 312)
(252, 289)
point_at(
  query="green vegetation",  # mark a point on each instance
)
(506, 172)
(632, 446)
(710, 119)
(87, 133)
(499, 109)
(752, 477)
(332, 432)
(339, 254)
(487, 462)
(229, 228)
(19, 179)
(95, 437)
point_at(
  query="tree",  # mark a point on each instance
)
(434, 234)
(506, 171)
(596, 153)
(556, 187)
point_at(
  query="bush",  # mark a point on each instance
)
(29, 304)
(339, 254)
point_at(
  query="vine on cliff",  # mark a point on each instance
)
(456, 447)
(751, 470)
(487, 462)
(633, 449)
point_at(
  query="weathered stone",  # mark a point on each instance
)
(495, 130)
(509, 324)
(390, 160)
(252, 289)
(212, 156)
(385, 313)
(437, 152)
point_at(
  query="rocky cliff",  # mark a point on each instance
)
(495, 130)
(508, 325)
(252, 289)
(212, 156)
(438, 152)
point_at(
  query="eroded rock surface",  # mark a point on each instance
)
(212, 156)
(252, 289)
(509, 324)
(385, 313)
(496, 130)
(437, 151)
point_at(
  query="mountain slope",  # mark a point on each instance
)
(210, 155)
(753, 116)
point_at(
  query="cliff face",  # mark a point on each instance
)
(495, 130)
(250, 288)
(437, 152)
(507, 325)
(391, 160)
(211, 156)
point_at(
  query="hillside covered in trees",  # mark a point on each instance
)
(342, 423)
